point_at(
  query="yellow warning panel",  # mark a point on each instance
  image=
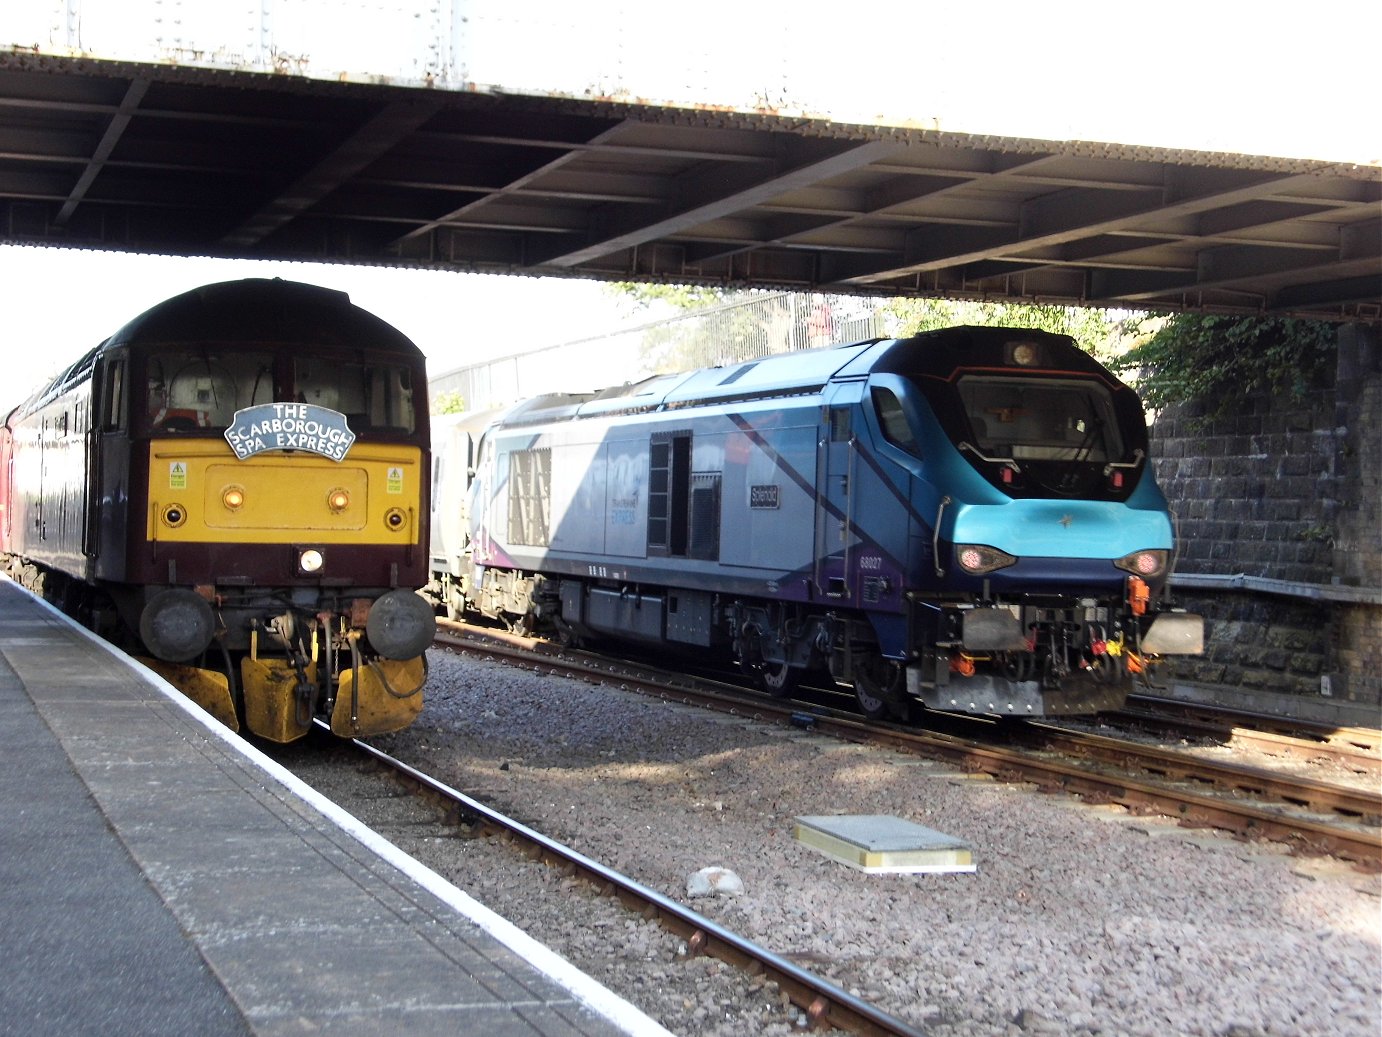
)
(882, 845)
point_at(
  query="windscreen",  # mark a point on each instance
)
(372, 396)
(1041, 419)
(201, 388)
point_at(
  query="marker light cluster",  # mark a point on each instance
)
(978, 559)
(1143, 563)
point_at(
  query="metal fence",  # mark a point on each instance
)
(718, 336)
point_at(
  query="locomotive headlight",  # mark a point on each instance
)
(233, 497)
(1143, 563)
(978, 559)
(395, 518)
(310, 560)
(1023, 354)
(174, 515)
(338, 500)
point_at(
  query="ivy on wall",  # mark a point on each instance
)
(1217, 361)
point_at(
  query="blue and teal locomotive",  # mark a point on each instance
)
(966, 519)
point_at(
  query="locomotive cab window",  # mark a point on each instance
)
(373, 397)
(892, 419)
(1047, 420)
(202, 390)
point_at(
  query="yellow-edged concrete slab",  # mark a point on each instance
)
(883, 845)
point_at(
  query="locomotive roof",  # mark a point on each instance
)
(255, 309)
(942, 352)
(263, 310)
(784, 374)
(936, 354)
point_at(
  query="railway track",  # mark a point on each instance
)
(1352, 748)
(1312, 817)
(823, 1003)
(1318, 797)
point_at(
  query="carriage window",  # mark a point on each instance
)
(202, 389)
(1041, 420)
(371, 396)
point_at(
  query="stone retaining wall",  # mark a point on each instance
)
(1287, 490)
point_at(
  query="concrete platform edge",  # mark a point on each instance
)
(590, 993)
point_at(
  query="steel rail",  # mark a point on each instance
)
(1363, 847)
(1366, 741)
(1342, 753)
(1320, 796)
(823, 1002)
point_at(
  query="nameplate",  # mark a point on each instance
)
(289, 426)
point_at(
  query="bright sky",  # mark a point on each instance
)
(1282, 79)
(58, 303)
(1285, 79)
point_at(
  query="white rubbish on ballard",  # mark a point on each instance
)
(714, 882)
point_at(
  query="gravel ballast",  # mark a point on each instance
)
(1079, 919)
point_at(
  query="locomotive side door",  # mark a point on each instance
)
(5, 482)
(836, 462)
(45, 479)
(109, 460)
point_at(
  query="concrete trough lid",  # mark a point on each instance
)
(883, 845)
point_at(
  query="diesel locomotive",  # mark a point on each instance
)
(966, 520)
(235, 486)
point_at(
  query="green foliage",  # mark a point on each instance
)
(730, 331)
(1097, 331)
(448, 403)
(1217, 361)
(682, 296)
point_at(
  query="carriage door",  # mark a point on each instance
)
(45, 478)
(836, 465)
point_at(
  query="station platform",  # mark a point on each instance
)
(161, 876)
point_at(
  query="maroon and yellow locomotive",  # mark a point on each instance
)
(235, 486)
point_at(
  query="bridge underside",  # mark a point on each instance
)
(187, 161)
